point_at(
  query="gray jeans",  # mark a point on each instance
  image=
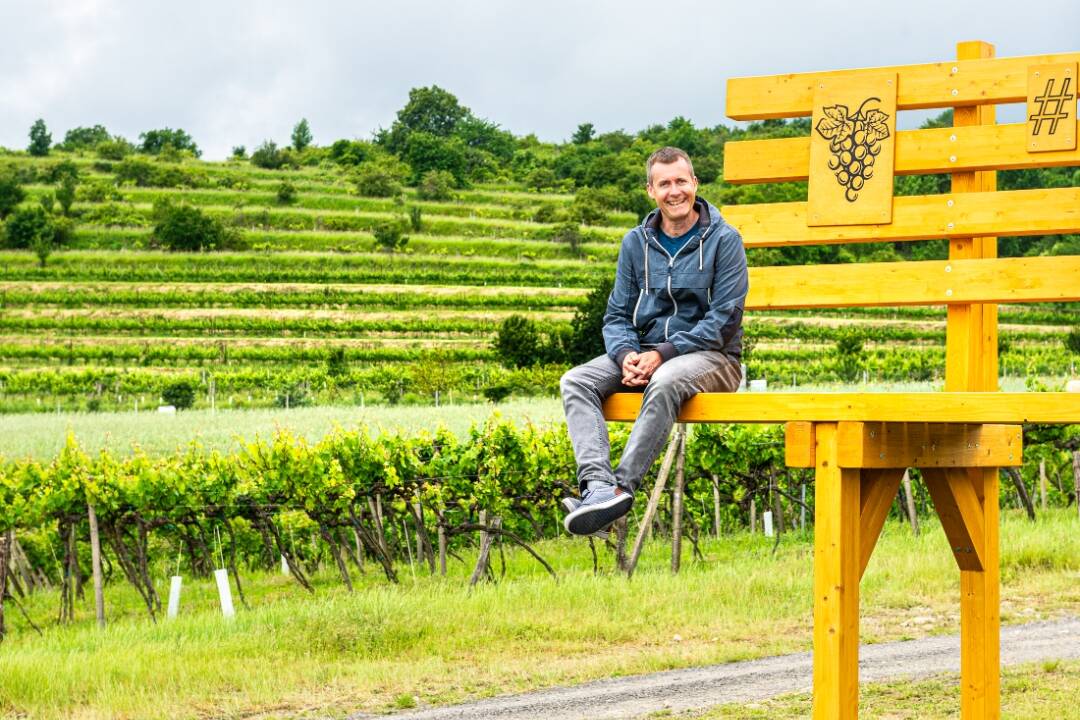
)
(585, 387)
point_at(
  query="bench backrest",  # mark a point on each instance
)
(971, 217)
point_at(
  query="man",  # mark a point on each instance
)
(673, 328)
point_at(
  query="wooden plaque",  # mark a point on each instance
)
(1051, 107)
(852, 138)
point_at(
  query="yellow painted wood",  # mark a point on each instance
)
(918, 152)
(971, 363)
(836, 582)
(923, 217)
(961, 513)
(799, 444)
(878, 490)
(1051, 107)
(928, 85)
(914, 444)
(850, 109)
(980, 620)
(933, 407)
(931, 282)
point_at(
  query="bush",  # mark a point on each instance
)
(154, 142)
(497, 393)
(65, 194)
(186, 229)
(116, 149)
(542, 178)
(436, 185)
(851, 356)
(40, 139)
(1072, 340)
(11, 194)
(587, 328)
(416, 218)
(570, 234)
(28, 226)
(239, 152)
(390, 236)
(517, 342)
(180, 394)
(546, 213)
(379, 178)
(286, 193)
(268, 156)
(143, 173)
(337, 365)
(84, 138)
(351, 153)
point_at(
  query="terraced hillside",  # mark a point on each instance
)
(313, 312)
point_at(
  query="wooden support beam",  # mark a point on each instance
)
(878, 489)
(799, 444)
(928, 282)
(904, 445)
(977, 81)
(918, 152)
(960, 509)
(980, 618)
(935, 407)
(836, 582)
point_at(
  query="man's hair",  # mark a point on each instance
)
(666, 155)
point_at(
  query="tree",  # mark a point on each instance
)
(116, 149)
(426, 151)
(155, 142)
(180, 394)
(587, 327)
(301, 135)
(584, 133)
(436, 185)
(431, 110)
(569, 233)
(268, 156)
(11, 193)
(286, 193)
(416, 218)
(390, 236)
(590, 206)
(1072, 341)
(40, 139)
(337, 363)
(84, 138)
(850, 354)
(517, 342)
(65, 194)
(239, 152)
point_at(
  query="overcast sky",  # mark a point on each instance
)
(236, 72)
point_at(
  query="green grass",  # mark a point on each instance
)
(432, 639)
(1030, 692)
(42, 435)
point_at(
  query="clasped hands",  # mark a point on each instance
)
(638, 368)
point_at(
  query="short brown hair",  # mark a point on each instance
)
(664, 156)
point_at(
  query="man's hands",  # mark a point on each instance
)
(638, 368)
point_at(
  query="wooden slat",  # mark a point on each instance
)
(878, 490)
(933, 407)
(836, 583)
(921, 217)
(961, 514)
(928, 282)
(918, 152)
(930, 85)
(912, 444)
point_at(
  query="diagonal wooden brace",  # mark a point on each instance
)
(961, 511)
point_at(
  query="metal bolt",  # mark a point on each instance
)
(822, 86)
(948, 268)
(951, 226)
(881, 456)
(1036, 73)
(871, 433)
(950, 203)
(955, 69)
(955, 92)
(952, 138)
(952, 158)
(948, 292)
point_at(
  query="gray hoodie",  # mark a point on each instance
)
(676, 305)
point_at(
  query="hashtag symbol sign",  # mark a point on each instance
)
(1052, 108)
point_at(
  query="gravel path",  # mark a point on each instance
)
(701, 688)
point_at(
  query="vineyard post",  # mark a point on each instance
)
(5, 548)
(802, 507)
(913, 516)
(716, 504)
(95, 561)
(753, 516)
(1076, 480)
(677, 502)
(1042, 484)
(654, 502)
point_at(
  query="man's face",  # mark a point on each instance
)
(674, 188)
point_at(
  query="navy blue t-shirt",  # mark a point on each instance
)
(674, 244)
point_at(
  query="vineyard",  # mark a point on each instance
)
(312, 311)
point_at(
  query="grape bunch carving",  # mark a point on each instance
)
(854, 141)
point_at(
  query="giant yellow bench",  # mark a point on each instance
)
(861, 443)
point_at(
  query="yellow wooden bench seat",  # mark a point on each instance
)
(861, 443)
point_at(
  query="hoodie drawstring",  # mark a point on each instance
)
(646, 248)
(699, 254)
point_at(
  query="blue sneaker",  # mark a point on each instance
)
(571, 504)
(601, 505)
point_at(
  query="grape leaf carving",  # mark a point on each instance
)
(835, 123)
(876, 126)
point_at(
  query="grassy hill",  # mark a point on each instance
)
(313, 312)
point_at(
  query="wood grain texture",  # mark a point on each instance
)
(914, 444)
(878, 489)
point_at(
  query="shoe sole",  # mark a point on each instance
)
(588, 519)
(571, 504)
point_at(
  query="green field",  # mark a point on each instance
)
(431, 641)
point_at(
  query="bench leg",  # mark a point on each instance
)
(980, 621)
(837, 568)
